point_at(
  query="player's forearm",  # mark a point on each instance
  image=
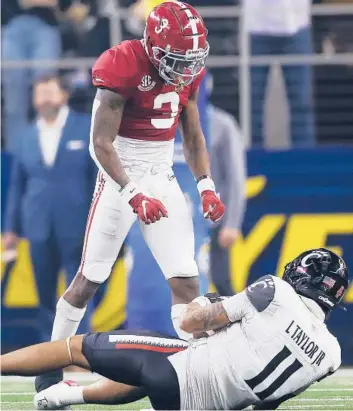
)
(196, 155)
(107, 112)
(198, 319)
(107, 158)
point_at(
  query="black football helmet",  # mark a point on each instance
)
(318, 274)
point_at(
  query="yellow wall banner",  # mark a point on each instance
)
(20, 290)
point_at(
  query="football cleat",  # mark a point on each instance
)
(53, 398)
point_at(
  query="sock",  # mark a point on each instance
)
(67, 319)
(176, 313)
(73, 396)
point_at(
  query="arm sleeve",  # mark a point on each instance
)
(112, 71)
(261, 293)
(16, 190)
(237, 306)
(233, 155)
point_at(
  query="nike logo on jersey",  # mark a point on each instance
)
(98, 80)
(310, 348)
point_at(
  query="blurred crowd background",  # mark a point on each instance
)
(296, 90)
(280, 78)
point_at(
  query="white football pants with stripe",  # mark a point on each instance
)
(171, 240)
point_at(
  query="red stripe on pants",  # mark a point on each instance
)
(148, 347)
(92, 210)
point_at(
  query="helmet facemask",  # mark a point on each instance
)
(179, 69)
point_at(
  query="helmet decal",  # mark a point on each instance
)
(316, 254)
(330, 282)
(339, 292)
(163, 24)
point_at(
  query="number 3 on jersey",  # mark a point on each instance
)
(171, 98)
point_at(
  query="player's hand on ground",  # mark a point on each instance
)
(227, 237)
(212, 206)
(148, 209)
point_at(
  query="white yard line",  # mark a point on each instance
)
(329, 389)
(309, 407)
(76, 376)
(17, 402)
(20, 393)
(330, 399)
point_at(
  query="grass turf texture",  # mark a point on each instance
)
(334, 393)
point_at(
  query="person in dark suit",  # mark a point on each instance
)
(50, 190)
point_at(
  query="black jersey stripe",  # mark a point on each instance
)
(279, 381)
(270, 367)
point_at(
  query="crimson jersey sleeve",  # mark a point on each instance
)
(113, 71)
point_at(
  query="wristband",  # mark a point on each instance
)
(202, 177)
(129, 191)
(205, 184)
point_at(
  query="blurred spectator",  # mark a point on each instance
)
(228, 169)
(333, 83)
(282, 27)
(138, 14)
(90, 25)
(50, 190)
(30, 33)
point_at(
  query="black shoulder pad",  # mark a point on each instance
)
(261, 293)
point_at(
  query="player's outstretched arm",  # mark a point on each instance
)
(44, 357)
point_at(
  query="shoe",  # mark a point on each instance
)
(52, 397)
(48, 379)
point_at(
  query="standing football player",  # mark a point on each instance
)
(145, 88)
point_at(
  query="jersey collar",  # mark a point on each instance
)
(313, 307)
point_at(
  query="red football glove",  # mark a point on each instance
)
(148, 209)
(212, 206)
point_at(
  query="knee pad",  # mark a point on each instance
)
(97, 271)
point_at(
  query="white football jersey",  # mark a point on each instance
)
(276, 347)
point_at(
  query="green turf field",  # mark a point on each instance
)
(335, 393)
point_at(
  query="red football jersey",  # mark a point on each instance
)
(152, 108)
